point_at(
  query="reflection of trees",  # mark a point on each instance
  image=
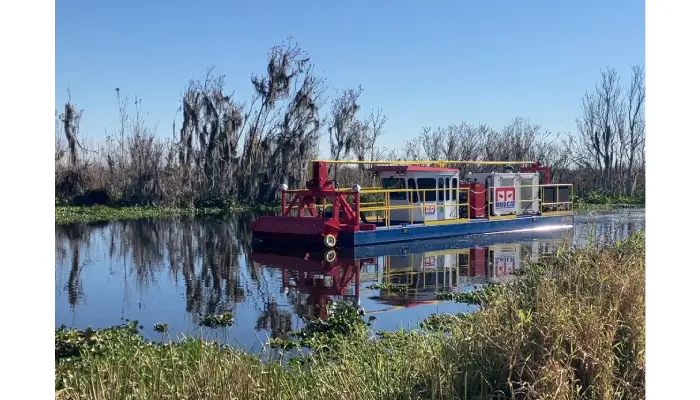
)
(277, 320)
(75, 286)
(306, 305)
(72, 241)
(204, 252)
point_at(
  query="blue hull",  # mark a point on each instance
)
(417, 247)
(475, 227)
(453, 243)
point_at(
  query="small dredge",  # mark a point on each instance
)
(417, 200)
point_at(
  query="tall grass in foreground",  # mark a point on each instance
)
(570, 328)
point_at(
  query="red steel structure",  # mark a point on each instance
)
(345, 216)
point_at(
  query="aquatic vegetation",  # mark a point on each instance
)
(443, 322)
(216, 320)
(72, 343)
(572, 326)
(343, 323)
(481, 296)
(72, 214)
(66, 214)
(398, 289)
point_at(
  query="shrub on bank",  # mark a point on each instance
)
(599, 198)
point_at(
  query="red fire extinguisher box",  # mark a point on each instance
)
(477, 200)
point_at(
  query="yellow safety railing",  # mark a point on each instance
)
(380, 203)
(363, 189)
(557, 207)
(364, 205)
(322, 207)
(386, 207)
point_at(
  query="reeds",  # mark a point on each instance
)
(570, 328)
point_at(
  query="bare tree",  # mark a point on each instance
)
(361, 147)
(454, 142)
(635, 137)
(612, 132)
(431, 141)
(367, 132)
(412, 150)
(464, 142)
(59, 137)
(600, 126)
(516, 142)
(376, 121)
(134, 156)
(471, 141)
(71, 128)
(70, 178)
(343, 129)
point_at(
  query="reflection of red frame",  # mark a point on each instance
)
(343, 272)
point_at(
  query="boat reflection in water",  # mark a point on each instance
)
(406, 274)
(321, 276)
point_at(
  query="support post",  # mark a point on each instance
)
(336, 207)
(357, 208)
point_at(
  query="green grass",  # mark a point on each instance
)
(571, 327)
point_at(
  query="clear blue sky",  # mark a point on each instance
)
(425, 63)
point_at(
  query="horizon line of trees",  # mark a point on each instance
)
(232, 150)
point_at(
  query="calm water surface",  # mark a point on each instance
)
(174, 270)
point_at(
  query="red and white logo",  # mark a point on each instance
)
(505, 194)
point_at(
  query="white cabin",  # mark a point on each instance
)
(440, 200)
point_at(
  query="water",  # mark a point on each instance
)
(174, 270)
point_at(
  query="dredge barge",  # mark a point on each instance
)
(417, 200)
